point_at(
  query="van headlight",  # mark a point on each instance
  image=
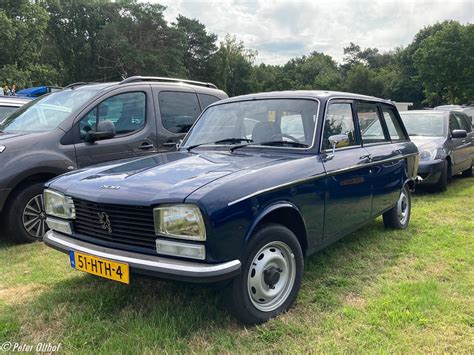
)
(180, 221)
(58, 205)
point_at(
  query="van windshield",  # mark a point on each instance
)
(49, 111)
(428, 125)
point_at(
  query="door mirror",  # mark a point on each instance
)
(458, 133)
(105, 130)
(338, 141)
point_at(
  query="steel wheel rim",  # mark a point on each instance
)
(403, 208)
(34, 217)
(275, 257)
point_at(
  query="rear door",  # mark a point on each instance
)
(348, 195)
(132, 114)
(385, 156)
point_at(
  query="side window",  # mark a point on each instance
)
(206, 100)
(370, 124)
(339, 120)
(464, 122)
(393, 125)
(126, 111)
(178, 110)
(453, 123)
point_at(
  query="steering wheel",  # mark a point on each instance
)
(283, 135)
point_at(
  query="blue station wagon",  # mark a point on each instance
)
(260, 182)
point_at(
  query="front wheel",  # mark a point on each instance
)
(467, 172)
(399, 216)
(272, 269)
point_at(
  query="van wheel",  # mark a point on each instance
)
(272, 269)
(25, 216)
(399, 216)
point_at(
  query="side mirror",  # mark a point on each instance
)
(458, 133)
(338, 141)
(105, 130)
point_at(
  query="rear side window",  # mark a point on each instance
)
(370, 124)
(339, 120)
(393, 125)
(206, 100)
(178, 110)
(126, 111)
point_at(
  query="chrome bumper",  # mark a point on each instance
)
(148, 264)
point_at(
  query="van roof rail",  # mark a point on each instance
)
(166, 80)
(73, 85)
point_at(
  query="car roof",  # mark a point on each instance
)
(14, 100)
(318, 94)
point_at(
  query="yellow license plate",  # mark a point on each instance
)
(91, 264)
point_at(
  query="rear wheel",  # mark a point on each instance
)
(25, 217)
(399, 216)
(272, 269)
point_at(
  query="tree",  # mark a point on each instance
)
(445, 61)
(363, 80)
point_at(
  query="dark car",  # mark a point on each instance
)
(468, 110)
(38, 91)
(9, 104)
(87, 124)
(241, 204)
(446, 144)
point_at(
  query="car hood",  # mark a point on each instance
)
(168, 177)
(4, 137)
(428, 142)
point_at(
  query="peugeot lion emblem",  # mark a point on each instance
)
(105, 221)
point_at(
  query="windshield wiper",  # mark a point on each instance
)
(272, 143)
(226, 140)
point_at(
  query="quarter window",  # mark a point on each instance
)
(178, 110)
(370, 124)
(125, 111)
(393, 126)
(206, 100)
(339, 120)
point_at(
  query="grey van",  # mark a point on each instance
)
(87, 124)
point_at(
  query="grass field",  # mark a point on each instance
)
(375, 291)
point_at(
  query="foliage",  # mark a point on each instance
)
(63, 41)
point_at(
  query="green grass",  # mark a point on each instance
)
(376, 291)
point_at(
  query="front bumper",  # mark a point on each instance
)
(430, 171)
(156, 266)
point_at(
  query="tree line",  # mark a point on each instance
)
(57, 42)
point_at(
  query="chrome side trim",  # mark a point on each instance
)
(332, 173)
(141, 261)
(314, 177)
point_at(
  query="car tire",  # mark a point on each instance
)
(442, 183)
(270, 278)
(399, 216)
(467, 172)
(25, 217)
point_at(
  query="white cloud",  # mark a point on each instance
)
(281, 30)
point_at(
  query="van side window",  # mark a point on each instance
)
(206, 100)
(370, 124)
(453, 123)
(464, 122)
(126, 111)
(393, 125)
(178, 110)
(339, 120)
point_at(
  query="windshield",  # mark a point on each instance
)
(427, 125)
(47, 112)
(285, 121)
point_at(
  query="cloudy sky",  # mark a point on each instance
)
(280, 30)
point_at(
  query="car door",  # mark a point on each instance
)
(176, 111)
(457, 146)
(387, 163)
(468, 146)
(132, 114)
(348, 189)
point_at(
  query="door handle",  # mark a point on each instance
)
(146, 146)
(366, 156)
(169, 144)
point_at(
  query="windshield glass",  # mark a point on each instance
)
(427, 125)
(256, 121)
(47, 112)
